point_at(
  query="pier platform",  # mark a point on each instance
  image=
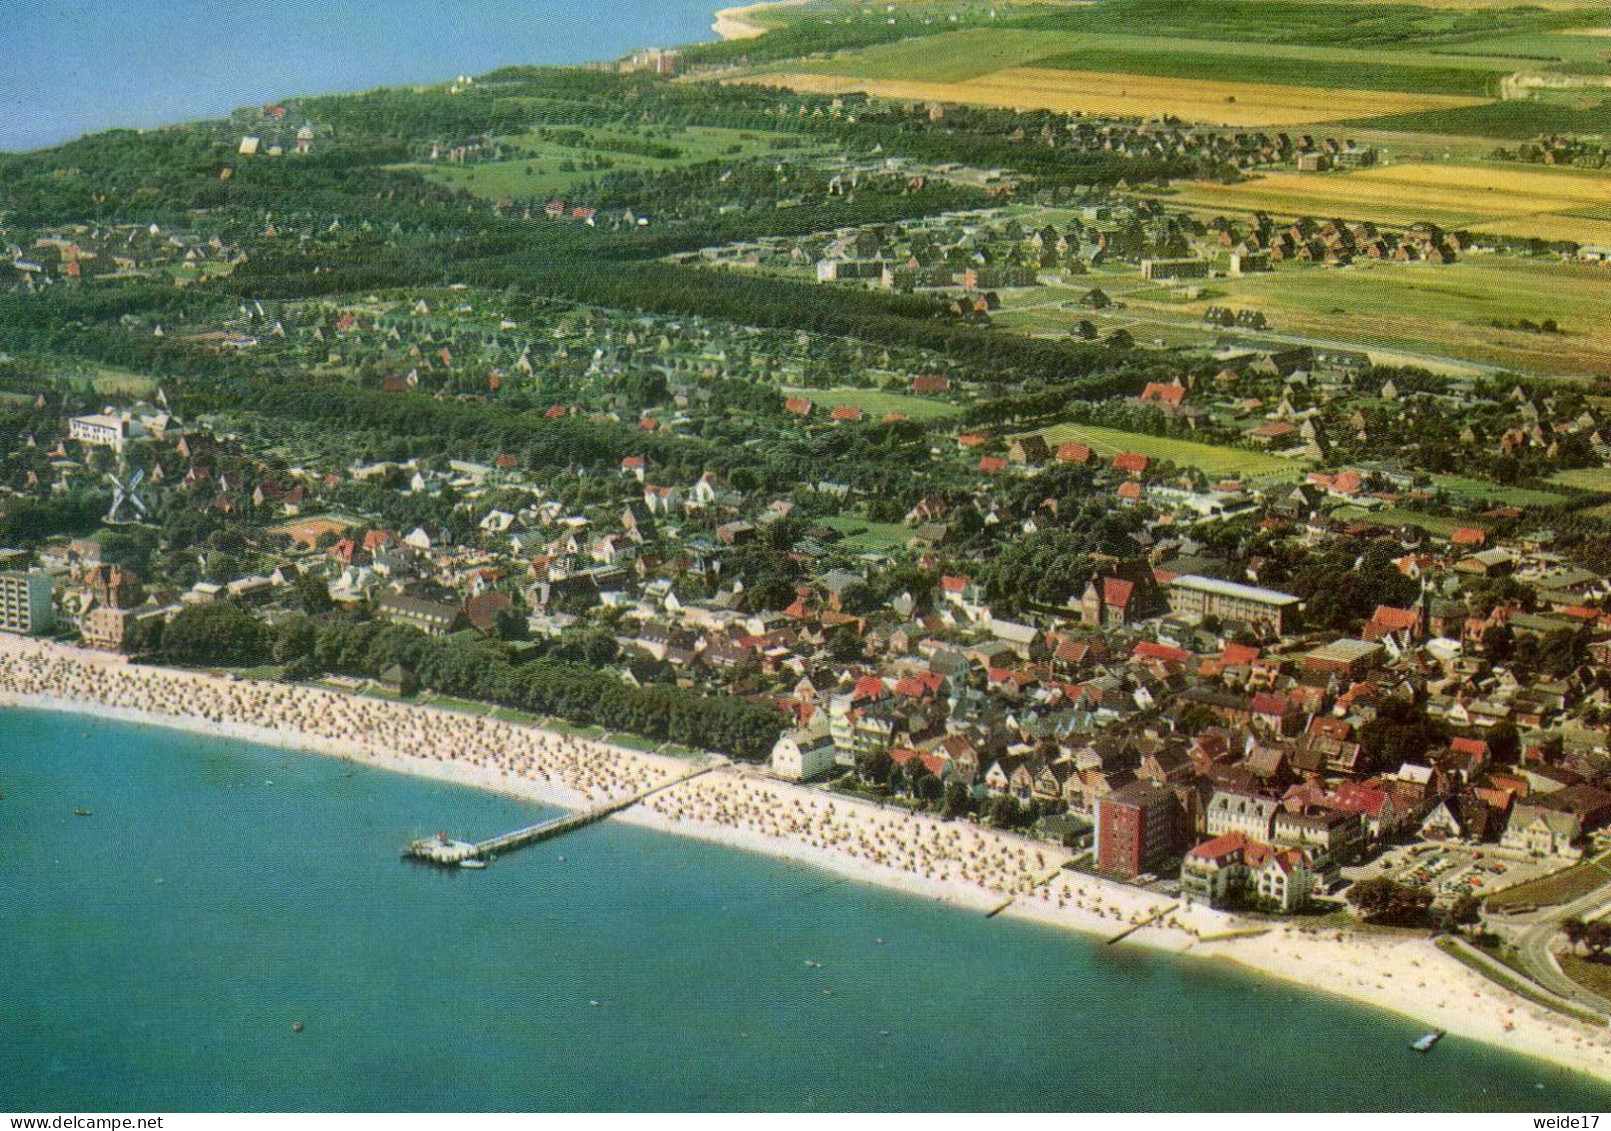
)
(441, 849)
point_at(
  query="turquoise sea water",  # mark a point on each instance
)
(73, 66)
(283, 899)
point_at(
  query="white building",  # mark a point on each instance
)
(801, 755)
(25, 603)
(1543, 832)
(101, 430)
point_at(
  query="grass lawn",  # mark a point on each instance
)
(1482, 491)
(1585, 479)
(537, 173)
(1441, 525)
(466, 706)
(1592, 976)
(867, 537)
(1560, 887)
(1447, 310)
(1211, 459)
(877, 402)
(120, 382)
(262, 671)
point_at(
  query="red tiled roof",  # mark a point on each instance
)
(1396, 620)
(869, 687)
(1150, 650)
(1221, 847)
(1156, 393)
(1117, 591)
(1270, 703)
(1236, 655)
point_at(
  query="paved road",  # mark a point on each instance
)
(1537, 935)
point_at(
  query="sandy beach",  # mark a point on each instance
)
(956, 862)
(734, 23)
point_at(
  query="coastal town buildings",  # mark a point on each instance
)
(25, 602)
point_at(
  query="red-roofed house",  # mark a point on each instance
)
(1238, 655)
(1074, 453)
(799, 406)
(1468, 536)
(845, 413)
(1342, 483)
(1402, 624)
(1172, 394)
(1131, 463)
(1375, 805)
(992, 465)
(1233, 870)
(1276, 712)
(1152, 650)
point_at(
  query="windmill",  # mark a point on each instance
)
(125, 493)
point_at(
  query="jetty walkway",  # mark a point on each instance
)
(440, 849)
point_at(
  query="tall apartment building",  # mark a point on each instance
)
(1137, 829)
(25, 603)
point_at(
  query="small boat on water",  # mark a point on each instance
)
(472, 862)
(296, 1026)
(1425, 1041)
(81, 812)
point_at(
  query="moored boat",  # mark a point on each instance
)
(1425, 1041)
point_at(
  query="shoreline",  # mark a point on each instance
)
(966, 866)
(734, 23)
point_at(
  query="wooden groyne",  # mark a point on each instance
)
(449, 853)
(1147, 922)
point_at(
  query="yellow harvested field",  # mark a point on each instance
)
(1596, 32)
(1515, 202)
(1140, 96)
(1575, 228)
(1568, 189)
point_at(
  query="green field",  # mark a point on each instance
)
(1585, 479)
(1440, 525)
(1481, 491)
(862, 536)
(1446, 309)
(1562, 887)
(876, 403)
(965, 55)
(1209, 458)
(539, 172)
(1592, 976)
(1554, 112)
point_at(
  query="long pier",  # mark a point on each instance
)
(449, 853)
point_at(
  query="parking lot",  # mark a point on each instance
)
(1452, 870)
